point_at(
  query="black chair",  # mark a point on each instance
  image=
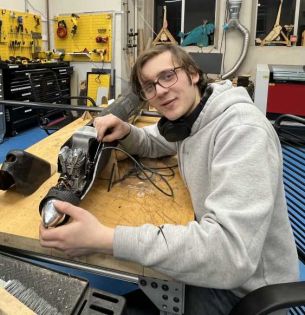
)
(291, 131)
(46, 88)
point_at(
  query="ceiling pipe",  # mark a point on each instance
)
(234, 23)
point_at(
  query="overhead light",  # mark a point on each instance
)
(169, 1)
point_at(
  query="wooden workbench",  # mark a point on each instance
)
(130, 202)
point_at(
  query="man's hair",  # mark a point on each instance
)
(179, 56)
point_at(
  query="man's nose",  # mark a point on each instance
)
(160, 89)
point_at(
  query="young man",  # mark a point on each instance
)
(230, 159)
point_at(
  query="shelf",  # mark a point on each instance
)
(79, 54)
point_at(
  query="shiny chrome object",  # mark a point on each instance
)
(50, 216)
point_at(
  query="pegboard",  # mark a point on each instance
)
(90, 41)
(98, 86)
(20, 34)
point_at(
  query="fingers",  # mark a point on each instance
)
(67, 208)
(50, 235)
(110, 128)
(103, 125)
(53, 238)
(113, 135)
(101, 131)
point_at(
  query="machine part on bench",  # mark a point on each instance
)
(50, 216)
(168, 296)
(101, 302)
(24, 171)
(80, 159)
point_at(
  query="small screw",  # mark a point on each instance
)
(154, 285)
(143, 282)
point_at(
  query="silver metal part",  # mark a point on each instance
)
(168, 296)
(62, 156)
(234, 23)
(30, 298)
(50, 216)
(73, 166)
(234, 9)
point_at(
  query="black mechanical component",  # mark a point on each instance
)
(80, 159)
(24, 171)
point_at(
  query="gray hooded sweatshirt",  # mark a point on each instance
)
(231, 164)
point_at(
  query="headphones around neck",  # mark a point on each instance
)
(179, 129)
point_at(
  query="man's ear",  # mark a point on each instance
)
(195, 78)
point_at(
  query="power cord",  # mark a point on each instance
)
(141, 168)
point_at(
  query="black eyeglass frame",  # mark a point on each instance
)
(154, 83)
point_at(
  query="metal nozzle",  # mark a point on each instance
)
(234, 9)
(50, 216)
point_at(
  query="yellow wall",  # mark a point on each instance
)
(96, 81)
(89, 27)
(24, 43)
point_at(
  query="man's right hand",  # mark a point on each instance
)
(110, 128)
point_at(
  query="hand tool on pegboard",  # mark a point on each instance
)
(74, 20)
(59, 292)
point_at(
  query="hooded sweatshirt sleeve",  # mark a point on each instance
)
(147, 142)
(222, 249)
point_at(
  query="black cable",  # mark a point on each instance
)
(154, 170)
(111, 177)
(97, 79)
(171, 194)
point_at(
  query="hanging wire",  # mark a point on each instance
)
(144, 169)
(149, 26)
(36, 10)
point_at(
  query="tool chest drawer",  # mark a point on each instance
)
(17, 86)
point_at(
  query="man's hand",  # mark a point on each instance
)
(110, 128)
(83, 235)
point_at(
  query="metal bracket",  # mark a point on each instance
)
(168, 296)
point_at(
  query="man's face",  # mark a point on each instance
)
(175, 101)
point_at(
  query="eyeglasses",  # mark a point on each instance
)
(165, 79)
